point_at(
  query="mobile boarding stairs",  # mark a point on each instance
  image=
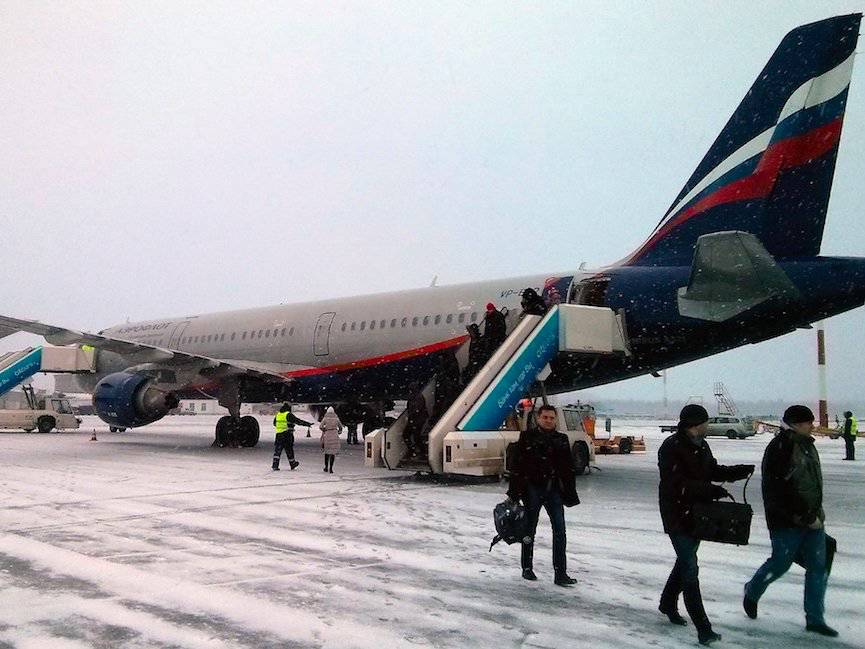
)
(467, 438)
(17, 367)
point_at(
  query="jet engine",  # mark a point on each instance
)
(127, 399)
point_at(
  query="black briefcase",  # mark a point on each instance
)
(723, 522)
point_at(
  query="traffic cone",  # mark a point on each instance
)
(93, 439)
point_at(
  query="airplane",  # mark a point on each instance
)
(735, 260)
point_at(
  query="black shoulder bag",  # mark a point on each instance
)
(724, 522)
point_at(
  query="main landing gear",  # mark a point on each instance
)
(237, 431)
(233, 430)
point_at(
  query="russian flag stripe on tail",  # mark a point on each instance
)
(770, 170)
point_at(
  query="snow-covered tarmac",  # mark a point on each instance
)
(151, 538)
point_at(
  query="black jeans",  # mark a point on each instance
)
(548, 497)
(685, 579)
(283, 441)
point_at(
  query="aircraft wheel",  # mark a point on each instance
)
(223, 431)
(625, 446)
(28, 430)
(45, 423)
(250, 431)
(581, 457)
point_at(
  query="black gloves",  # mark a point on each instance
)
(718, 492)
(744, 470)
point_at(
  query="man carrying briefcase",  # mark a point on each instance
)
(687, 469)
(793, 497)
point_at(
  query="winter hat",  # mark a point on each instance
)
(693, 415)
(798, 415)
(491, 306)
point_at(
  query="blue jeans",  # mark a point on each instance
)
(685, 579)
(786, 544)
(548, 497)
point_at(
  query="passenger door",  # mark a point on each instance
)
(321, 337)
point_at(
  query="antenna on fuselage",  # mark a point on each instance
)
(433, 282)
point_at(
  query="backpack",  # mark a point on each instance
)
(511, 522)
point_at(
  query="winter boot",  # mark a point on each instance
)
(293, 464)
(673, 615)
(750, 606)
(562, 579)
(275, 467)
(707, 636)
(822, 629)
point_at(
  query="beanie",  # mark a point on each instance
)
(491, 306)
(798, 415)
(692, 415)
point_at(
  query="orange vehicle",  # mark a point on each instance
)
(605, 442)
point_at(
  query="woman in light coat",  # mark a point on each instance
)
(330, 444)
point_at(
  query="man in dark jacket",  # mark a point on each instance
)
(793, 498)
(687, 469)
(495, 329)
(532, 303)
(851, 431)
(543, 475)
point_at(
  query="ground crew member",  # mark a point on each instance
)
(284, 422)
(793, 498)
(851, 431)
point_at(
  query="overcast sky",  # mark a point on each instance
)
(167, 158)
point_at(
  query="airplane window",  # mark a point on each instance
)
(414, 322)
(283, 332)
(372, 325)
(267, 334)
(260, 333)
(474, 316)
(363, 325)
(233, 334)
(381, 324)
(462, 318)
(209, 337)
(352, 325)
(438, 319)
(222, 338)
(275, 333)
(393, 323)
(450, 318)
(243, 336)
(425, 320)
(404, 322)
(291, 331)
(343, 325)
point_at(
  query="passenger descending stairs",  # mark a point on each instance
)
(510, 373)
(17, 367)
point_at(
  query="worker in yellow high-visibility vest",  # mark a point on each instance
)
(284, 422)
(851, 431)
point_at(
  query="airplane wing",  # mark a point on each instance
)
(138, 353)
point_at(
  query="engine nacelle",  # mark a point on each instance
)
(127, 399)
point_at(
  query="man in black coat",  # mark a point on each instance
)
(687, 469)
(543, 474)
(793, 498)
(495, 329)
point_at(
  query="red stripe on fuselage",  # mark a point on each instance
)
(792, 152)
(379, 360)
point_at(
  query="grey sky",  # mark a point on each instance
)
(169, 158)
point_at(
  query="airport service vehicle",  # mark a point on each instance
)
(731, 427)
(734, 261)
(605, 442)
(44, 415)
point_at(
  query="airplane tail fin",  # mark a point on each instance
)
(770, 170)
